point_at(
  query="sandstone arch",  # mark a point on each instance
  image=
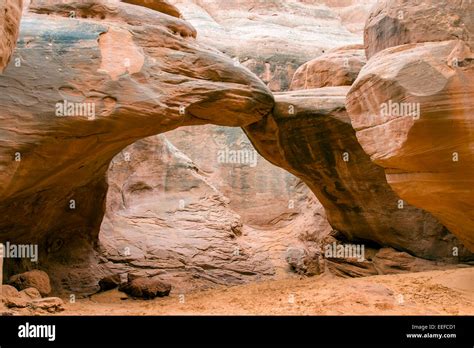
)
(53, 164)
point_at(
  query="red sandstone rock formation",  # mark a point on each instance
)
(412, 110)
(338, 67)
(140, 71)
(273, 38)
(167, 216)
(81, 97)
(264, 196)
(309, 133)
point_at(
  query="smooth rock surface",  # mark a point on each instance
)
(153, 82)
(411, 107)
(162, 6)
(338, 67)
(310, 135)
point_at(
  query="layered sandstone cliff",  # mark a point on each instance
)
(274, 38)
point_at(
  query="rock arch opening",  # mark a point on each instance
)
(196, 218)
(63, 122)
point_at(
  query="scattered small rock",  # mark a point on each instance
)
(32, 279)
(49, 304)
(146, 288)
(30, 298)
(15, 302)
(109, 282)
(30, 293)
(12, 297)
(8, 291)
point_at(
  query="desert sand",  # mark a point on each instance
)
(426, 293)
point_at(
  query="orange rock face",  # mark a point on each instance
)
(310, 135)
(412, 106)
(10, 15)
(95, 83)
(83, 104)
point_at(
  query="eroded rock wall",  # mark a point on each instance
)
(273, 38)
(411, 106)
(167, 216)
(309, 133)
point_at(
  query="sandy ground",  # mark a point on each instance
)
(436, 292)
